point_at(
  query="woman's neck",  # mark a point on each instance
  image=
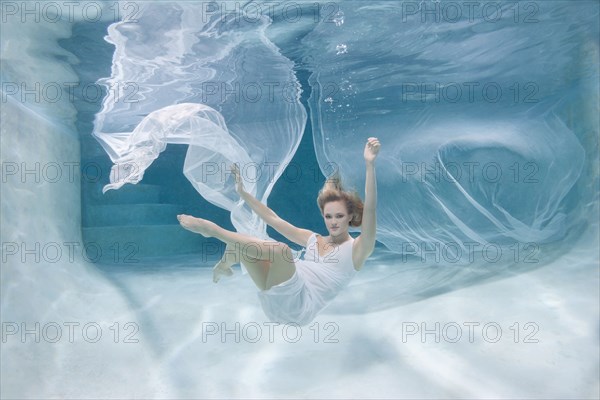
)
(337, 239)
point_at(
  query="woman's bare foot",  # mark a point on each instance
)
(223, 267)
(197, 225)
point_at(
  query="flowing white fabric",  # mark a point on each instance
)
(214, 83)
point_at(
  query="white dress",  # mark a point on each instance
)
(316, 282)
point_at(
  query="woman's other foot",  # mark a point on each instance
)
(223, 267)
(220, 270)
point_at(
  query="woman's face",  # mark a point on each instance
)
(336, 218)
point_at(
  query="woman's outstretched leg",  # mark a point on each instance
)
(269, 263)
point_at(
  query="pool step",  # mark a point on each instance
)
(129, 224)
(134, 243)
(128, 194)
(130, 214)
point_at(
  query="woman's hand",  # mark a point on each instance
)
(371, 149)
(239, 184)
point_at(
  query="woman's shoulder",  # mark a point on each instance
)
(312, 238)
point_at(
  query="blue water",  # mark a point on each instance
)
(484, 283)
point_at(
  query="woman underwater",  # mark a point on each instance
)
(296, 290)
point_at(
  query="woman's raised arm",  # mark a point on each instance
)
(292, 233)
(365, 243)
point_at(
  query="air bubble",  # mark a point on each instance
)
(341, 49)
(339, 18)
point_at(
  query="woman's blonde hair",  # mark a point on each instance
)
(333, 191)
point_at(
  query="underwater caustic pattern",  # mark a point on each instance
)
(472, 112)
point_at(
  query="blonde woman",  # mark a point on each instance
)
(296, 290)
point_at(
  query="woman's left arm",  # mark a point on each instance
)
(365, 243)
